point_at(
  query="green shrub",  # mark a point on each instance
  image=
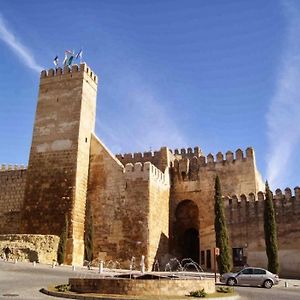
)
(198, 294)
(225, 290)
(63, 287)
(222, 240)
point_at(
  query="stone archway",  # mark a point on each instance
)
(186, 230)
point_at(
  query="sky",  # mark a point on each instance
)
(217, 74)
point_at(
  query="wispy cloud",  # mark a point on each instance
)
(283, 117)
(23, 53)
(139, 120)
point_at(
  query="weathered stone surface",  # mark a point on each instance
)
(137, 287)
(12, 187)
(159, 204)
(59, 158)
(30, 247)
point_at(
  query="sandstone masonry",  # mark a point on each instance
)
(160, 204)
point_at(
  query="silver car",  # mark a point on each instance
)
(251, 276)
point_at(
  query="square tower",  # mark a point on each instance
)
(58, 166)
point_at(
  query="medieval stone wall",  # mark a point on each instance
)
(130, 207)
(159, 158)
(244, 217)
(12, 187)
(59, 158)
(194, 179)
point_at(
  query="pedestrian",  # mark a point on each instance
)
(7, 253)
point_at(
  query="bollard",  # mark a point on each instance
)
(73, 268)
(286, 284)
(33, 263)
(15, 261)
(143, 264)
(101, 267)
(53, 264)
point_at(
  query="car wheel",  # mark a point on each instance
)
(268, 284)
(231, 281)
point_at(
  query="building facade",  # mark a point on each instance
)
(160, 205)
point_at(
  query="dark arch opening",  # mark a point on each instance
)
(186, 231)
(191, 244)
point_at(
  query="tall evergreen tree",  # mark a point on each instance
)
(61, 250)
(224, 259)
(89, 235)
(270, 230)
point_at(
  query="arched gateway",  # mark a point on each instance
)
(186, 230)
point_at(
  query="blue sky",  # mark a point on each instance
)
(219, 74)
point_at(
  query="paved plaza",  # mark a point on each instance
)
(24, 280)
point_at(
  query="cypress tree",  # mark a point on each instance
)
(61, 250)
(89, 236)
(270, 230)
(224, 259)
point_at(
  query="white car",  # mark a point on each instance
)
(252, 277)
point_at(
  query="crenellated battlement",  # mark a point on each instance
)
(188, 152)
(145, 171)
(10, 167)
(138, 155)
(240, 209)
(260, 196)
(159, 158)
(187, 168)
(69, 72)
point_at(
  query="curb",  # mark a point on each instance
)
(86, 297)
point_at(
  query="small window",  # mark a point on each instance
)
(259, 271)
(86, 139)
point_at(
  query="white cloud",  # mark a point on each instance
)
(18, 48)
(283, 117)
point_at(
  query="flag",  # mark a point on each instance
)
(79, 54)
(69, 55)
(69, 62)
(55, 61)
(65, 59)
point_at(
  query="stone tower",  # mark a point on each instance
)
(58, 167)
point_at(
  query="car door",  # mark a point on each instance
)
(259, 276)
(245, 276)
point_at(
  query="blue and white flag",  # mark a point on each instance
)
(79, 54)
(69, 55)
(55, 61)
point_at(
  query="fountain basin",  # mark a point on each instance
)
(162, 286)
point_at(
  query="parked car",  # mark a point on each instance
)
(251, 276)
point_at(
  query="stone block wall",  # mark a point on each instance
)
(194, 178)
(12, 188)
(30, 247)
(59, 158)
(130, 206)
(245, 223)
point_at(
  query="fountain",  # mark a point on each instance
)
(178, 278)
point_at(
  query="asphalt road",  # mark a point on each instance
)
(23, 281)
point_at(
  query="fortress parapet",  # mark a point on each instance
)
(241, 208)
(189, 152)
(159, 158)
(145, 171)
(67, 72)
(10, 167)
(187, 167)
